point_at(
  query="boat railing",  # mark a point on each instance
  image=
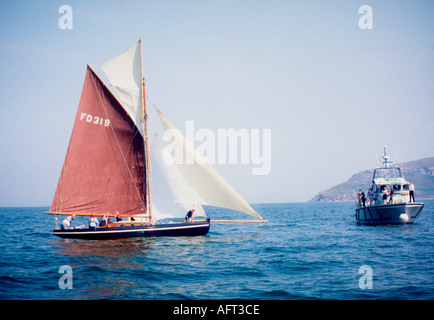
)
(381, 195)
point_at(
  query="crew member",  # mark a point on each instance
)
(66, 223)
(189, 216)
(411, 191)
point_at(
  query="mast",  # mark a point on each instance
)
(145, 118)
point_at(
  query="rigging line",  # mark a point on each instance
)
(123, 156)
(148, 168)
(59, 206)
(61, 183)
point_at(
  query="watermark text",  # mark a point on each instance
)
(366, 21)
(65, 281)
(227, 146)
(365, 281)
(65, 21)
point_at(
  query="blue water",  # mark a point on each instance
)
(305, 251)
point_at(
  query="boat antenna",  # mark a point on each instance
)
(386, 159)
(376, 158)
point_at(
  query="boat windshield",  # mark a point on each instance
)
(388, 173)
(397, 187)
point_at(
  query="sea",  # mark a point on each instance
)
(305, 251)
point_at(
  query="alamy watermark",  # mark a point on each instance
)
(366, 281)
(227, 146)
(65, 281)
(366, 21)
(65, 21)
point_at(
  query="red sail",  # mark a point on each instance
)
(104, 168)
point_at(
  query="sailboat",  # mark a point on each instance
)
(107, 169)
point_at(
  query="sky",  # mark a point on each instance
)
(330, 93)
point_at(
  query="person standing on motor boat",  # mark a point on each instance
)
(362, 197)
(411, 187)
(371, 196)
(384, 191)
(391, 193)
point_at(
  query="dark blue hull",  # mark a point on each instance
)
(199, 228)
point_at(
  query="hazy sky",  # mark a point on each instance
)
(331, 93)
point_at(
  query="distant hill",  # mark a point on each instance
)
(420, 172)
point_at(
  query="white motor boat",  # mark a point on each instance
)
(390, 201)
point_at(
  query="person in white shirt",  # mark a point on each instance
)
(371, 196)
(411, 191)
(385, 192)
(66, 223)
(93, 221)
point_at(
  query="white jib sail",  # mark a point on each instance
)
(124, 73)
(202, 177)
(172, 196)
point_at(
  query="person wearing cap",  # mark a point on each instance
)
(66, 223)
